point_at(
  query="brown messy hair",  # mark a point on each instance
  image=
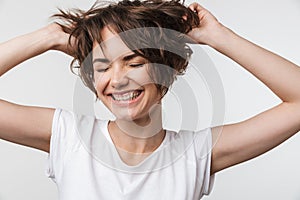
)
(151, 21)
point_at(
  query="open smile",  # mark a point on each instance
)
(127, 98)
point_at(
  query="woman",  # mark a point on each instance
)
(136, 104)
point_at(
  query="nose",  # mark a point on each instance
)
(119, 77)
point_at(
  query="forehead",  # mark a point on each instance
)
(111, 47)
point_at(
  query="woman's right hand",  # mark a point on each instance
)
(24, 47)
(61, 39)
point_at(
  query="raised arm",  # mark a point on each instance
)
(28, 125)
(24, 47)
(250, 138)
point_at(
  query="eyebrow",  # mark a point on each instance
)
(129, 57)
(103, 60)
(125, 58)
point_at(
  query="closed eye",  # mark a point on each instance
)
(137, 65)
(102, 70)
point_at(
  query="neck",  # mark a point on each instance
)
(138, 136)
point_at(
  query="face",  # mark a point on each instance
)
(122, 80)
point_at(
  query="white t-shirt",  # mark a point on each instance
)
(85, 165)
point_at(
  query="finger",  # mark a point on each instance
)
(196, 7)
(193, 6)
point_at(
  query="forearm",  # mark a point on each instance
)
(277, 73)
(25, 47)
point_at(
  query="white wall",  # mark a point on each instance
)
(47, 81)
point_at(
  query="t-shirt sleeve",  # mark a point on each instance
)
(62, 135)
(204, 146)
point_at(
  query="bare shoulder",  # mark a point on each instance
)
(26, 125)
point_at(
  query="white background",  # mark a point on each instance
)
(47, 81)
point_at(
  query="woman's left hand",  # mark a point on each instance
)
(208, 28)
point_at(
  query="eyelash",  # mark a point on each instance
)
(137, 65)
(131, 65)
(102, 70)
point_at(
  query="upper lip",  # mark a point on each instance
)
(122, 92)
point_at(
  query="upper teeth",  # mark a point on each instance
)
(127, 96)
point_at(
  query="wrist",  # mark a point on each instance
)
(219, 36)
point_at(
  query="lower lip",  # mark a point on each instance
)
(129, 102)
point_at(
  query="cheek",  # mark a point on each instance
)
(154, 93)
(100, 82)
(140, 75)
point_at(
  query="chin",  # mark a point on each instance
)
(125, 116)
